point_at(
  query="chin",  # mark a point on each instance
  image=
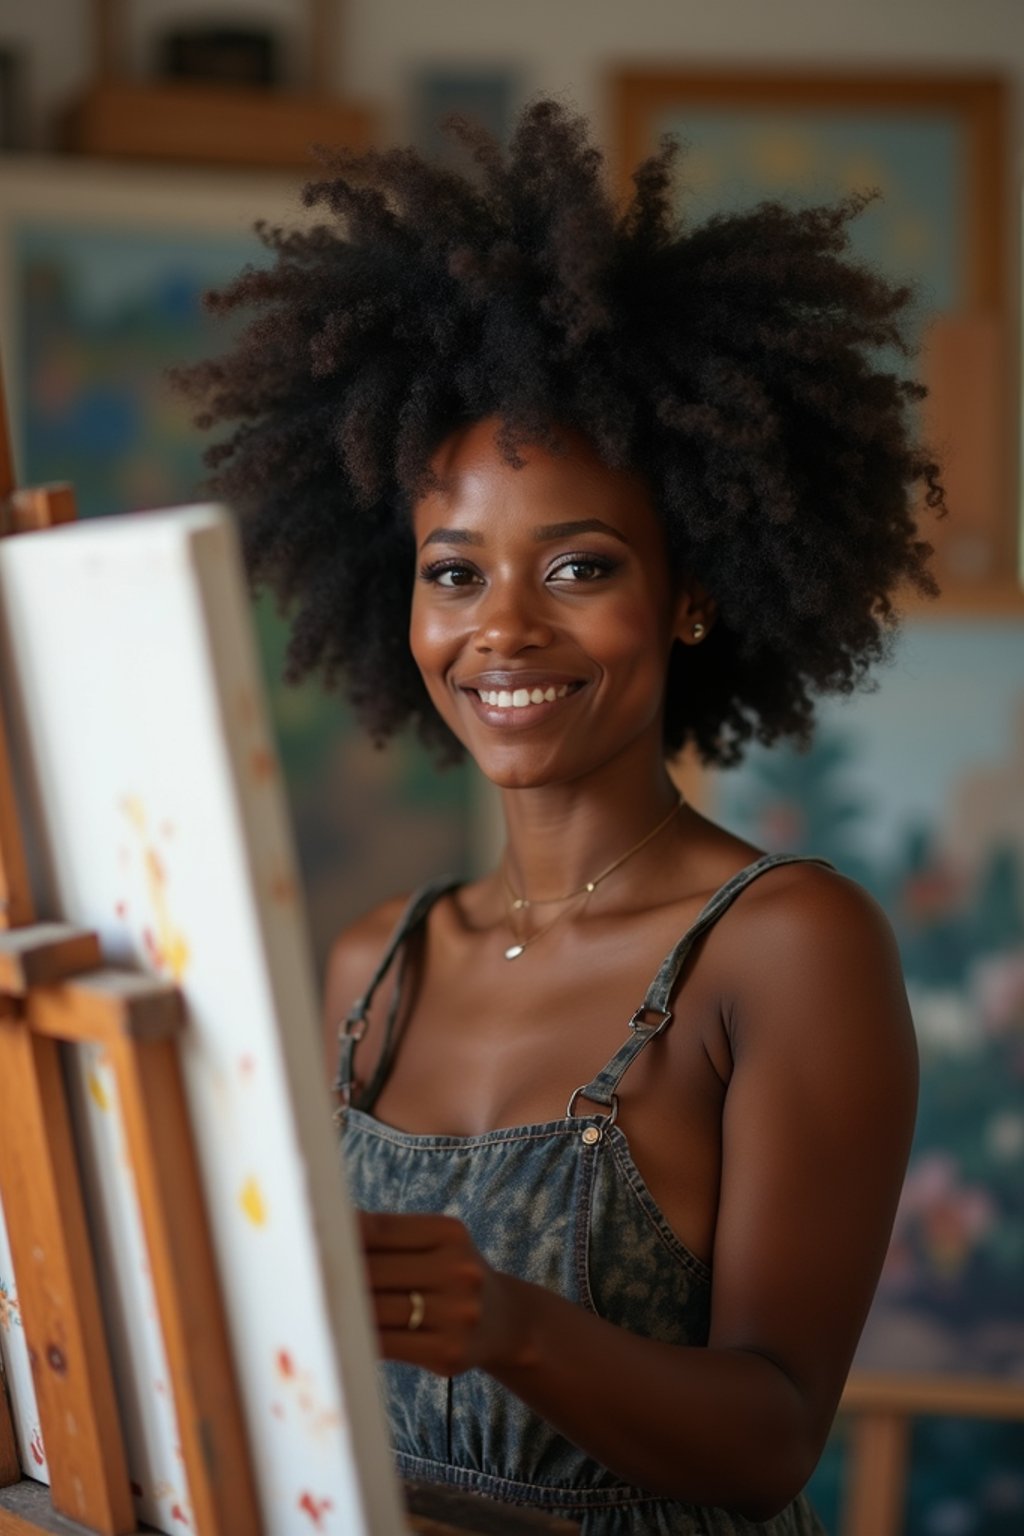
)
(516, 771)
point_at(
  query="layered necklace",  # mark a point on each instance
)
(518, 905)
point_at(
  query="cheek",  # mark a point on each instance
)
(633, 638)
(431, 640)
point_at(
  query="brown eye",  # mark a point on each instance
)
(449, 574)
(581, 569)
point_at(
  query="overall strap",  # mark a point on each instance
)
(654, 1015)
(354, 1025)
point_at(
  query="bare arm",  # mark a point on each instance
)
(816, 1132)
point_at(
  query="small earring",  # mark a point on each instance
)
(698, 630)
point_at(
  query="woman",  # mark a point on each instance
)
(627, 1117)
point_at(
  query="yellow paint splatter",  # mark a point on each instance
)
(97, 1092)
(252, 1203)
(135, 811)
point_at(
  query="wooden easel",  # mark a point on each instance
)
(54, 988)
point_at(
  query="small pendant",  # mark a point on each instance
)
(514, 951)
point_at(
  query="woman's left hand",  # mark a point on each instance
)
(463, 1317)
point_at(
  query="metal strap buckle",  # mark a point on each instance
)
(637, 1022)
(606, 1120)
(354, 1026)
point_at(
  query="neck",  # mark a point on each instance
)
(562, 836)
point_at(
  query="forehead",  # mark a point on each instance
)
(477, 483)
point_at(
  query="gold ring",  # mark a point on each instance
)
(417, 1311)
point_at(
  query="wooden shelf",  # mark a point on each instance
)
(200, 124)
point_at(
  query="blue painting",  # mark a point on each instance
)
(737, 158)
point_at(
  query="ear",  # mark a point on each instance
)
(694, 614)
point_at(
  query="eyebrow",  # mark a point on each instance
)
(543, 534)
(584, 525)
(451, 536)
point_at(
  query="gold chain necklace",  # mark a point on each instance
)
(517, 904)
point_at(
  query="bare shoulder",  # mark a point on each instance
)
(810, 945)
(355, 953)
(808, 901)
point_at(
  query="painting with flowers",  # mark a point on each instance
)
(917, 791)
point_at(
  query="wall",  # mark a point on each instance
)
(564, 46)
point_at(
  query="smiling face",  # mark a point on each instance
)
(544, 610)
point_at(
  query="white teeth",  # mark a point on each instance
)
(503, 698)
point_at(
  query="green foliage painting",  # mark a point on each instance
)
(917, 791)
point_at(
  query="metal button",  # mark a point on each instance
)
(591, 1135)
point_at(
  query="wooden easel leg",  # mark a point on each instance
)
(57, 1288)
(208, 1406)
(877, 1475)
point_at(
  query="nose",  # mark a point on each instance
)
(511, 620)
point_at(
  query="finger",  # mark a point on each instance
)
(432, 1270)
(395, 1310)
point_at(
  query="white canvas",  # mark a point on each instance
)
(16, 1370)
(138, 723)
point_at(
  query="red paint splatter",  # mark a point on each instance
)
(277, 1410)
(153, 950)
(177, 1513)
(246, 1065)
(261, 764)
(121, 908)
(282, 889)
(285, 1364)
(315, 1508)
(36, 1447)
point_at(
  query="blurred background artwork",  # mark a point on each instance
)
(931, 153)
(929, 820)
(484, 96)
(917, 792)
(916, 789)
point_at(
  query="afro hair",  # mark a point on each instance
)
(737, 365)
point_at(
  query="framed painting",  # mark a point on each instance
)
(930, 820)
(934, 147)
(102, 271)
(484, 96)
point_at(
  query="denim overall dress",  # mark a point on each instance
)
(560, 1204)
